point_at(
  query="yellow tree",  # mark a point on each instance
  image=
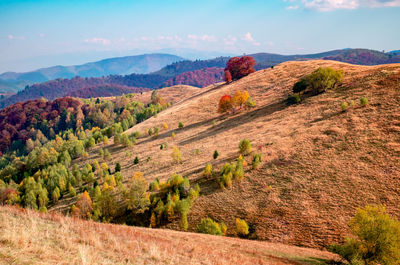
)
(239, 98)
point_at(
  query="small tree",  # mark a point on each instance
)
(136, 160)
(242, 228)
(208, 171)
(245, 147)
(227, 76)
(85, 204)
(215, 155)
(137, 197)
(375, 238)
(117, 167)
(239, 98)
(225, 104)
(180, 125)
(176, 155)
(256, 161)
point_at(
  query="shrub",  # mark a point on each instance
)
(238, 172)
(250, 103)
(197, 151)
(214, 123)
(136, 160)
(150, 131)
(127, 154)
(323, 78)
(245, 147)
(364, 101)
(256, 161)
(375, 240)
(180, 125)
(208, 226)
(208, 171)
(165, 126)
(225, 104)
(352, 103)
(176, 155)
(239, 67)
(215, 155)
(344, 106)
(242, 229)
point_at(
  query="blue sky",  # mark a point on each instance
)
(42, 33)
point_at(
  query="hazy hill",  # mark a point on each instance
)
(139, 64)
(28, 236)
(319, 163)
(187, 70)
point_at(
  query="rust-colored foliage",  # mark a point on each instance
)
(225, 104)
(240, 66)
(228, 76)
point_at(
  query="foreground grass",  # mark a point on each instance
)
(28, 237)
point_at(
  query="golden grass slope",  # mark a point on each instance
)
(28, 237)
(319, 163)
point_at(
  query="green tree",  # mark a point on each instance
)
(375, 238)
(136, 196)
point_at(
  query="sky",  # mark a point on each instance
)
(43, 33)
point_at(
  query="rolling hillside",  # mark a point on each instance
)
(319, 163)
(187, 72)
(29, 237)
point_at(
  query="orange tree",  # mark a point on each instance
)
(225, 104)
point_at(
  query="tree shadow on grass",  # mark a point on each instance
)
(237, 120)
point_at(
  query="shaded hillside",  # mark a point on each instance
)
(197, 78)
(319, 163)
(139, 64)
(28, 236)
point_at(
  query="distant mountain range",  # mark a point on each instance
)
(140, 64)
(184, 72)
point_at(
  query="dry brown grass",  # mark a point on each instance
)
(28, 237)
(319, 163)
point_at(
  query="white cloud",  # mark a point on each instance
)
(12, 37)
(202, 38)
(292, 7)
(329, 5)
(98, 41)
(247, 37)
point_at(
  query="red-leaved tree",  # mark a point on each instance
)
(239, 67)
(228, 76)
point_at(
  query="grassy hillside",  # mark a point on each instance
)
(319, 163)
(30, 238)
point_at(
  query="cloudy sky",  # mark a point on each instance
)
(42, 33)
